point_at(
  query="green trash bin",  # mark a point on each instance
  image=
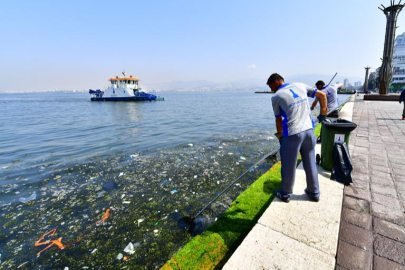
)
(333, 131)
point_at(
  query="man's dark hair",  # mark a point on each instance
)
(322, 83)
(275, 77)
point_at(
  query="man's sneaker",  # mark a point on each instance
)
(284, 198)
(315, 199)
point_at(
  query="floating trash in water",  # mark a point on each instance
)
(58, 242)
(140, 221)
(120, 256)
(148, 177)
(27, 199)
(21, 265)
(130, 249)
(190, 144)
(156, 231)
(126, 202)
(121, 174)
(94, 250)
(242, 158)
(109, 186)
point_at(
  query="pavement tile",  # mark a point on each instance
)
(393, 215)
(264, 248)
(399, 178)
(338, 267)
(377, 145)
(384, 190)
(382, 158)
(399, 171)
(377, 152)
(381, 263)
(360, 150)
(395, 155)
(378, 162)
(358, 193)
(361, 184)
(359, 158)
(396, 160)
(389, 249)
(390, 145)
(352, 257)
(374, 173)
(357, 204)
(401, 194)
(380, 168)
(384, 181)
(356, 236)
(400, 185)
(360, 168)
(397, 166)
(362, 143)
(361, 177)
(389, 202)
(389, 230)
(360, 219)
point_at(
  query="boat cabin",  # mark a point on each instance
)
(129, 83)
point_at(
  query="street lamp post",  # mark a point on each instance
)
(387, 69)
(366, 80)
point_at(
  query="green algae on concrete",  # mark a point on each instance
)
(213, 248)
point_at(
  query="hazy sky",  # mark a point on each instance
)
(81, 44)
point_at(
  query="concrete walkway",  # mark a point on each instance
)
(372, 234)
(298, 235)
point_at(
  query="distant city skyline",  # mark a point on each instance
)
(72, 46)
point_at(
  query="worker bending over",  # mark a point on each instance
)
(331, 96)
(295, 131)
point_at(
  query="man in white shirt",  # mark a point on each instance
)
(295, 131)
(331, 95)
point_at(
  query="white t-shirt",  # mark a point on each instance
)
(331, 96)
(291, 103)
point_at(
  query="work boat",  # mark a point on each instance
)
(123, 89)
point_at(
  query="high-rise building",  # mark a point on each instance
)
(346, 83)
(399, 60)
(357, 84)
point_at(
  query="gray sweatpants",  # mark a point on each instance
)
(303, 143)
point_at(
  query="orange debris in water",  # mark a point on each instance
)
(58, 241)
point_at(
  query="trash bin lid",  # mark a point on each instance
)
(339, 124)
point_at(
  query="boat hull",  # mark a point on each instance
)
(123, 98)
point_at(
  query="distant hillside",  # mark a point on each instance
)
(246, 84)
